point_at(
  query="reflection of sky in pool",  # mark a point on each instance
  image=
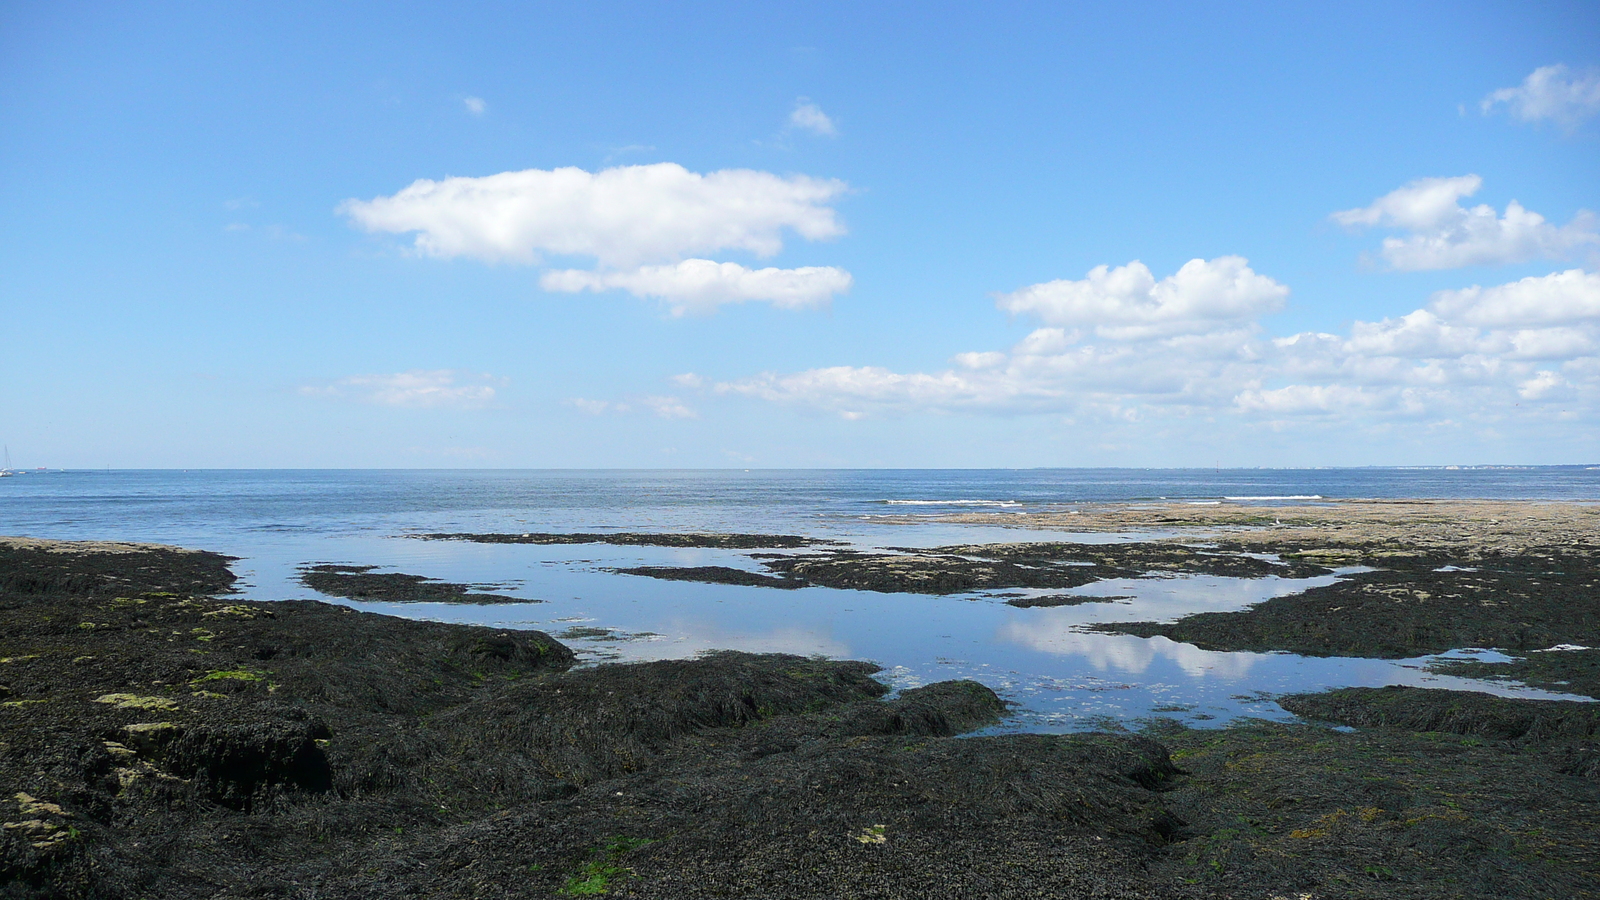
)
(1060, 677)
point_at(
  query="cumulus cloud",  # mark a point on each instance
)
(1558, 299)
(1466, 353)
(1552, 93)
(637, 223)
(475, 105)
(1128, 302)
(416, 388)
(808, 116)
(1446, 235)
(701, 285)
(622, 217)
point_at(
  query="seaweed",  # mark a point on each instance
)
(637, 539)
(361, 583)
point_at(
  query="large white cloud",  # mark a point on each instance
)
(701, 285)
(1446, 235)
(1128, 301)
(622, 217)
(1550, 92)
(1473, 353)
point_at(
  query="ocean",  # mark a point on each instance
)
(1057, 676)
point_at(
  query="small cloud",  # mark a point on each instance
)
(1443, 234)
(416, 388)
(665, 407)
(236, 226)
(475, 105)
(689, 380)
(1550, 92)
(669, 408)
(701, 285)
(1128, 301)
(808, 116)
(240, 203)
(979, 360)
(596, 407)
(1540, 386)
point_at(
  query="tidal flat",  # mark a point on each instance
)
(161, 737)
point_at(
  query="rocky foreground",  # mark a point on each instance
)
(158, 739)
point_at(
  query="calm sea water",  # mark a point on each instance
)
(1059, 677)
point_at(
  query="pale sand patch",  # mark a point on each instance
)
(1494, 525)
(28, 543)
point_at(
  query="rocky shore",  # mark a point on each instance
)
(159, 739)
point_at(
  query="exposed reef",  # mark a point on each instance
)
(710, 540)
(362, 583)
(1564, 668)
(1054, 600)
(713, 575)
(1413, 603)
(976, 567)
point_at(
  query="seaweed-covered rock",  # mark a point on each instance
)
(636, 539)
(957, 569)
(361, 583)
(240, 763)
(1417, 603)
(1453, 712)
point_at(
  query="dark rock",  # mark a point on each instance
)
(637, 539)
(361, 583)
(713, 575)
(1452, 712)
(1412, 608)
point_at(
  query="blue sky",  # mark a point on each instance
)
(799, 235)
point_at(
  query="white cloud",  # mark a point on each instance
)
(596, 407)
(416, 388)
(1303, 398)
(1468, 354)
(701, 285)
(1129, 303)
(1550, 92)
(809, 117)
(1558, 299)
(669, 408)
(1446, 235)
(475, 105)
(1422, 205)
(664, 407)
(623, 217)
(980, 360)
(1539, 386)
